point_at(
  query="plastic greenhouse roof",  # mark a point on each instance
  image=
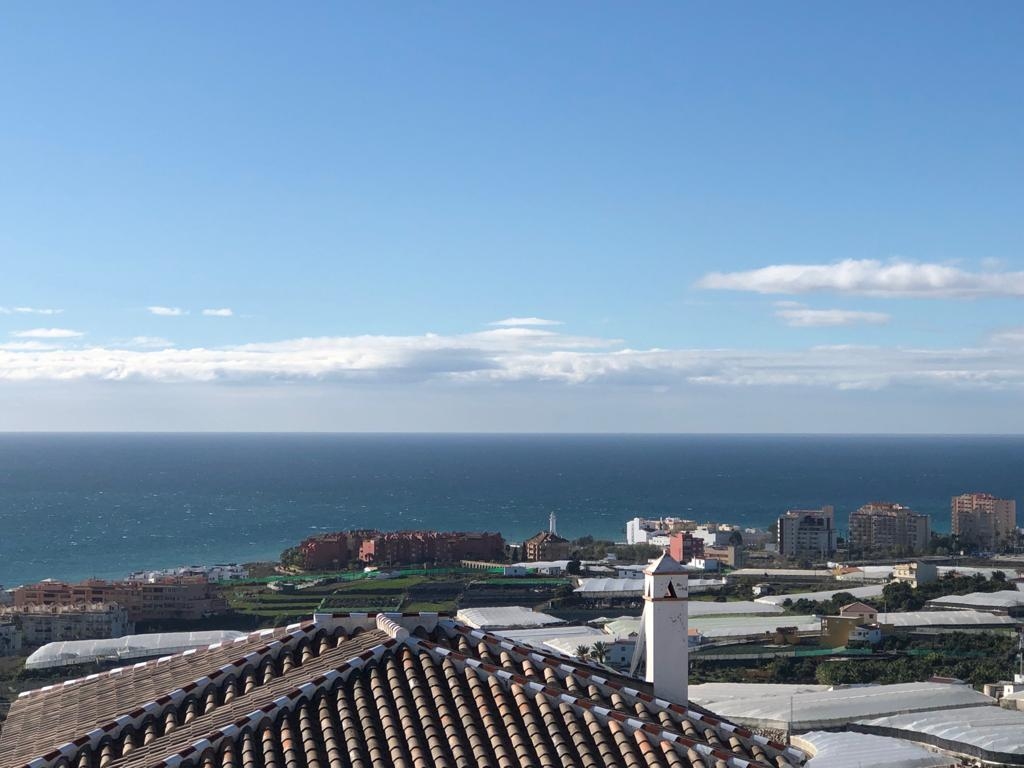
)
(993, 729)
(871, 590)
(125, 648)
(591, 586)
(854, 750)
(505, 616)
(537, 636)
(724, 626)
(767, 574)
(837, 707)
(1005, 600)
(731, 608)
(962, 618)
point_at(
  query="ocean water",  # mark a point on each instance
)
(79, 505)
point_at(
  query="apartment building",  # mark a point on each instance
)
(430, 546)
(10, 636)
(332, 551)
(888, 527)
(684, 547)
(546, 546)
(982, 521)
(171, 598)
(729, 555)
(915, 573)
(655, 530)
(39, 625)
(809, 533)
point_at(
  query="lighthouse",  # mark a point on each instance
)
(665, 628)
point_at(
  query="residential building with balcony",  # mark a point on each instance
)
(890, 528)
(982, 521)
(683, 547)
(546, 546)
(39, 625)
(807, 533)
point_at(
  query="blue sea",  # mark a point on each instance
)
(79, 505)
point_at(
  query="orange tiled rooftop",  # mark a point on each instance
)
(366, 691)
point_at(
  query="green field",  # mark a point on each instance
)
(438, 589)
(381, 586)
(365, 594)
(443, 607)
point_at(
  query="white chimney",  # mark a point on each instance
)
(665, 628)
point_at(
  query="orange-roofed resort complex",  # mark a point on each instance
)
(406, 690)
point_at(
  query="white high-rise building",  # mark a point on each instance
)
(637, 530)
(666, 628)
(807, 533)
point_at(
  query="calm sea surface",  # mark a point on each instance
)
(73, 506)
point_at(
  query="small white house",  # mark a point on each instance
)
(629, 571)
(705, 564)
(867, 633)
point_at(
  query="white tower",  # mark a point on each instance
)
(665, 628)
(552, 525)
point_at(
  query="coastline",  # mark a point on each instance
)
(74, 506)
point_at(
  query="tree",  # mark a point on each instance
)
(599, 652)
(839, 599)
(293, 557)
(736, 538)
(564, 591)
(583, 651)
(941, 545)
(573, 567)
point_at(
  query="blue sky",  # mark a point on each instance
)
(743, 217)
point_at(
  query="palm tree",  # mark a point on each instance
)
(583, 651)
(599, 652)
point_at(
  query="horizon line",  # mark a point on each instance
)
(469, 433)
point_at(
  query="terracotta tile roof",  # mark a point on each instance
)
(65, 712)
(314, 697)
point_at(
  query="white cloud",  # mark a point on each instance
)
(47, 333)
(504, 357)
(870, 277)
(29, 311)
(1009, 337)
(27, 346)
(799, 316)
(149, 342)
(524, 321)
(167, 311)
(223, 312)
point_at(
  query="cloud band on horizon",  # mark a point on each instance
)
(797, 315)
(29, 311)
(869, 277)
(505, 356)
(47, 333)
